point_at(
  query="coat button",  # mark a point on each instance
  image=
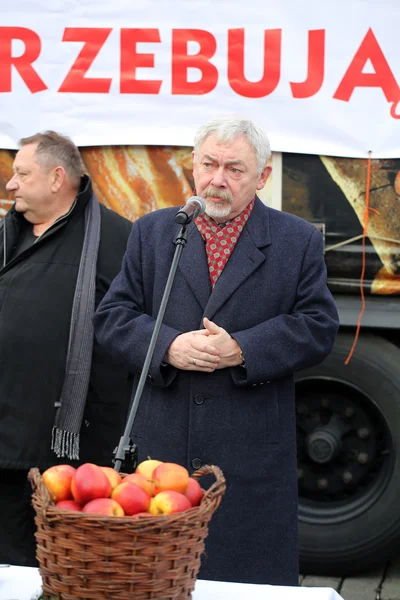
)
(199, 399)
(196, 463)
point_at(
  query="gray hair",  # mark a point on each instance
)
(55, 150)
(226, 129)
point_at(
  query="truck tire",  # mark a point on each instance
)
(348, 437)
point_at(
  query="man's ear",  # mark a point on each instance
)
(263, 177)
(57, 178)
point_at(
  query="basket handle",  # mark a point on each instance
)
(219, 485)
(35, 478)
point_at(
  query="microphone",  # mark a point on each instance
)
(193, 207)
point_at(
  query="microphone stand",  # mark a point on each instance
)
(127, 450)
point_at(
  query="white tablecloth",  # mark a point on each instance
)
(24, 583)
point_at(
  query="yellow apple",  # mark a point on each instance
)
(113, 476)
(141, 481)
(57, 479)
(146, 467)
(170, 476)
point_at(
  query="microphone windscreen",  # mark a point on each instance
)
(202, 203)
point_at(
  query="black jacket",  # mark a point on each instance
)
(36, 293)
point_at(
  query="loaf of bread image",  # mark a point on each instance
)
(385, 284)
(134, 180)
(384, 203)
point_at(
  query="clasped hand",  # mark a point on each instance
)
(204, 350)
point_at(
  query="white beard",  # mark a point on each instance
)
(217, 211)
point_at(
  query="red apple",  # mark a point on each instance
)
(194, 492)
(170, 476)
(104, 506)
(113, 475)
(146, 467)
(141, 481)
(57, 479)
(69, 505)
(131, 497)
(90, 482)
(168, 502)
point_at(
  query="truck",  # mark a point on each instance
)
(348, 407)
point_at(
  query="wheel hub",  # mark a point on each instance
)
(339, 453)
(322, 446)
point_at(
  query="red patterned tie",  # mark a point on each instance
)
(221, 239)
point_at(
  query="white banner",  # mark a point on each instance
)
(322, 78)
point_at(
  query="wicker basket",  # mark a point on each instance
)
(84, 556)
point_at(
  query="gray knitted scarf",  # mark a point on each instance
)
(70, 408)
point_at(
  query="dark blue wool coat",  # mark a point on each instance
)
(272, 298)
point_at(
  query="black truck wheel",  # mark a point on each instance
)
(348, 438)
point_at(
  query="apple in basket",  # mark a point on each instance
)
(113, 475)
(141, 481)
(58, 479)
(131, 497)
(69, 505)
(194, 492)
(146, 467)
(170, 476)
(90, 482)
(104, 506)
(168, 502)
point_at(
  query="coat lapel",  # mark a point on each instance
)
(245, 259)
(193, 266)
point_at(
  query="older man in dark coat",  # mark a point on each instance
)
(249, 306)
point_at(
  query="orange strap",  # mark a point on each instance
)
(364, 259)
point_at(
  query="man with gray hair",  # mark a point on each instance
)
(249, 306)
(61, 399)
